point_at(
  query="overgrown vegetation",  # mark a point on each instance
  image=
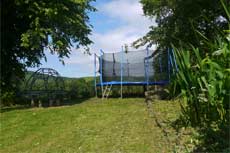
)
(205, 83)
(79, 88)
(31, 27)
(199, 32)
(177, 19)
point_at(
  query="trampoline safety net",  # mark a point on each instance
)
(135, 66)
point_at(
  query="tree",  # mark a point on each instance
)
(182, 22)
(30, 26)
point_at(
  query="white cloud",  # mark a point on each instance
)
(132, 25)
(128, 10)
(77, 57)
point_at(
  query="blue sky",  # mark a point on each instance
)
(117, 22)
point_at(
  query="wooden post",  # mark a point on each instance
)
(32, 102)
(58, 102)
(51, 102)
(39, 103)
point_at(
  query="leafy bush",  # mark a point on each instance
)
(7, 98)
(205, 83)
(79, 88)
(204, 79)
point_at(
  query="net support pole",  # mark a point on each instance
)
(101, 71)
(114, 73)
(174, 60)
(160, 62)
(171, 62)
(147, 78)
(145, 65)
(168, 64)
(121, 71)
(95, 74)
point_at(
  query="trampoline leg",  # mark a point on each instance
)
(121, 92)
(95, 90)
(102, 91)
(145, 88)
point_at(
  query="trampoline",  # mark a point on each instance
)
(132, 83)
(132, 68)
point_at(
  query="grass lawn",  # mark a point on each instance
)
(94, 125)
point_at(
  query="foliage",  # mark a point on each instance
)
(80, 88)
(7, 98)
(204, 80)
(177, 19)
(204, 83)
(199, 32)
(29, 27)
(202, 58)
(213, 140)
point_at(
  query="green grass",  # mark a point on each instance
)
(94, 125)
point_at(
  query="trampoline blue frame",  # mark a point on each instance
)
(171, 62)
(132, 83)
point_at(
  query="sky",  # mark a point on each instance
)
(115, 23)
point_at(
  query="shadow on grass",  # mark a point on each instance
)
(69, 102)
(44, 105)
(214, 140)
(12, 108)
(210, 139)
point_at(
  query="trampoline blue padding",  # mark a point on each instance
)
(132, 83)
